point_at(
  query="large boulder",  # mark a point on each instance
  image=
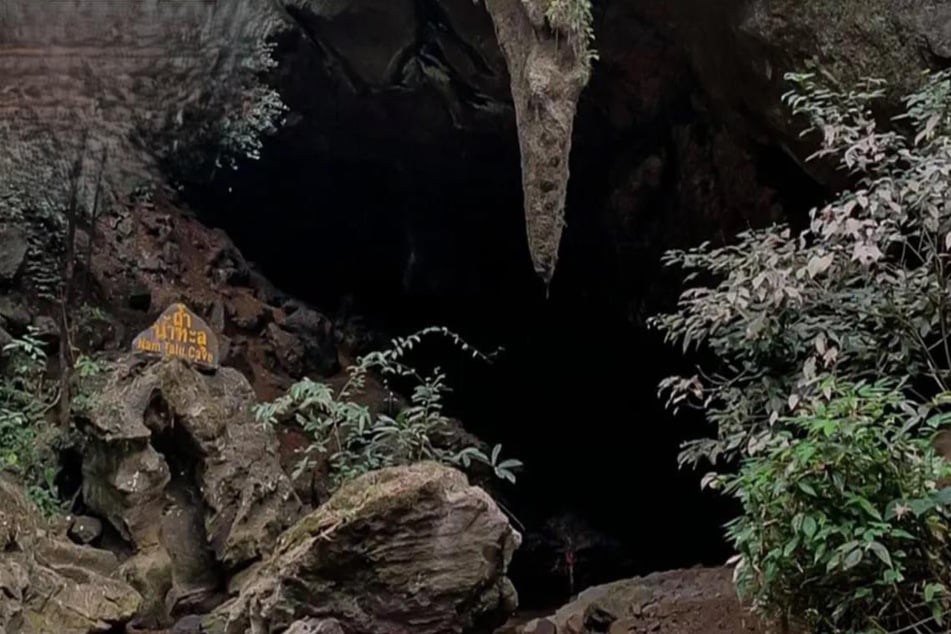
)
(177, 464)
(50, 586)
(406, 550)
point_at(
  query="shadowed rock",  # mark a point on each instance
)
(13, 248)
(49, 586)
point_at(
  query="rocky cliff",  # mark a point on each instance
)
(140, 81)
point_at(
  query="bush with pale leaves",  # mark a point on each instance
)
(862, 293)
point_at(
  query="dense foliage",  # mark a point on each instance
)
(832, 361)
(226, 123)
(350, 440)
(845, 527)
(575, 18)
(862, 293)
(25, 438)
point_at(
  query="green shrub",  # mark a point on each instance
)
(25, 437)
(575, 19)
(845, 527)
(862, 293)
(223, 125)
(352, 441)
(844, 524)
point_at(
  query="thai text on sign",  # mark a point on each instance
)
(179, 333)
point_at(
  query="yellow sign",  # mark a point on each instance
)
(182, 334)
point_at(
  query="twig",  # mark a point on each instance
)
(87, 274)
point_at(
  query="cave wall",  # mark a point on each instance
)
(106, 78)
(740, 51)
(126, 75)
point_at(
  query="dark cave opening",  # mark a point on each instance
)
(347, 212)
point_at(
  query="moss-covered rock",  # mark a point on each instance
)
(404, 550)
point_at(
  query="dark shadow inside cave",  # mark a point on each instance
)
(347, 210)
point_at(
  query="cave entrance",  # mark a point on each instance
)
(573, 394)
(425, 228)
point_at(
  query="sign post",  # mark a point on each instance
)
(181, 334)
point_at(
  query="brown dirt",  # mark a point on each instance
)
(693, 601)
(159, 246)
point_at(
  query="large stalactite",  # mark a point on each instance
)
(549, 68)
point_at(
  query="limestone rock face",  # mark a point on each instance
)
(741, 49)
(406, 550)
(177, 464)
(548, 74)
(315, 626)
(13, 248)
(49, 586)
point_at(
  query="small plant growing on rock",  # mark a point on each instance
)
(86, 369)
(226, 123)
(350, 441)
(574, 18)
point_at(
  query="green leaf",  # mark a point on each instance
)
(853, 559)
(791, 546)
(933, 590)
(881, 552)
(806, 488)
(797, 522)
(943, 497)
(921, 506)
(866, 506)
(809, 527)
(937, 613)
(834, 561)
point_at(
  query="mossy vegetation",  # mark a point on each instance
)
(575, 19)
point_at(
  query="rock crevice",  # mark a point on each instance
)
(177, 464)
